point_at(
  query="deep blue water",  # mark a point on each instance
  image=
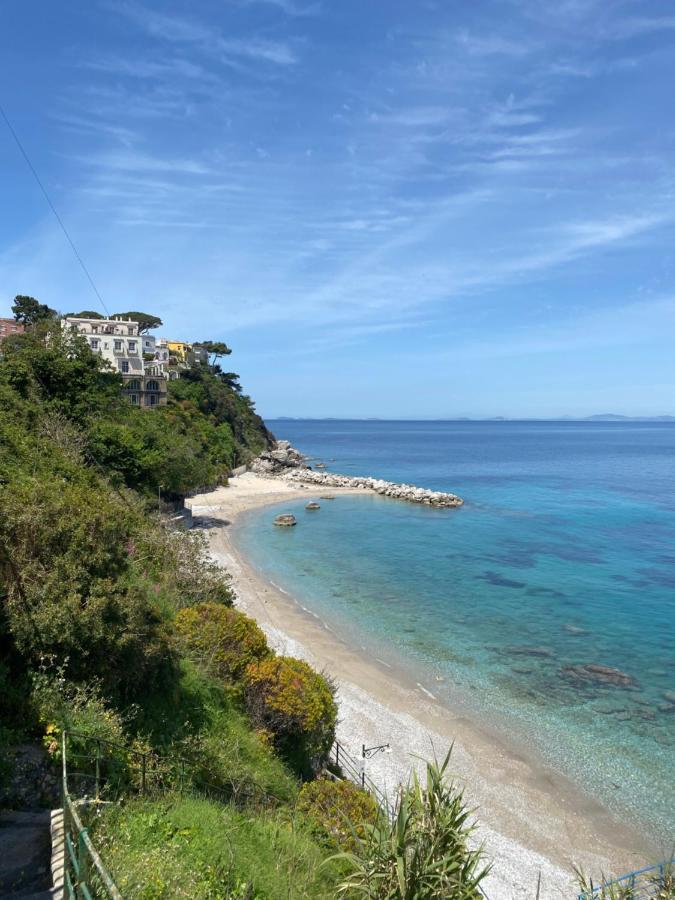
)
(563, 555)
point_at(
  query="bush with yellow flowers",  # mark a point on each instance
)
(221, 639)
(287, 697)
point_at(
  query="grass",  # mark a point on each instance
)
(190, 847)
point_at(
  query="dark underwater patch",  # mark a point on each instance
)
(499, 580)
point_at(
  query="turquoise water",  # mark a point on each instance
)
(563, 555)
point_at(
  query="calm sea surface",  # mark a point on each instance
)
(563, 555)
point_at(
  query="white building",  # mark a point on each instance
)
(128, 352)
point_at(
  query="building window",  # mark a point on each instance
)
(153, 399)
(132, 346)
(118, 345)
(134, 385)
(94, 344)
(134, 399)
(152, 386)
(124, 366)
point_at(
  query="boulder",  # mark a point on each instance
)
(285, 520)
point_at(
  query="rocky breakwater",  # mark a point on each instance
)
(288, 463)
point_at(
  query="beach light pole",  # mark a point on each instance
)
(368, 752)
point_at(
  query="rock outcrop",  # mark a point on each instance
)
(283, 456)
(288, 463)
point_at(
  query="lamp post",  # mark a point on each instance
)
(159, 497)
(368, 752)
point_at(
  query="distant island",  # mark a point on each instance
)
(598, 417)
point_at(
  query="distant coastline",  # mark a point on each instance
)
(598, 417)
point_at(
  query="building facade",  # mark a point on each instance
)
(10, 326)
(131, 354)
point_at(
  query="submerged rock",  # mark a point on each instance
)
(530, 651)
(285, 520)
(599, 674)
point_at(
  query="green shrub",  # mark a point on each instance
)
(423, 852)
(340, 809)
(93, 728)
(71, 587)
(221, 639)
(287, 699)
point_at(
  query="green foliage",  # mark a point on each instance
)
(168, 448)
(56, 369)
(85, 314)
(340, 810)
(295, 706)
(71, 590)
(30, 311)
(221, 639)
(206, 393)
(423, 853)
(146, 321)
(179, 566)
(62, 705)
(187, 847)
(215, 348)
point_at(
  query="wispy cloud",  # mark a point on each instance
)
(491, 44)
(289, 7)
(180, 30)
(638, 26)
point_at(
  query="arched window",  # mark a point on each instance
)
(152, 386)
(134, 385)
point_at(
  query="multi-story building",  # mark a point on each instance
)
(131, 354)
(10, 326)
(186, 354)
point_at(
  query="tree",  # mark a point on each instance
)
(146, 321)
(216, 349)
(85, 314)
(30, 311)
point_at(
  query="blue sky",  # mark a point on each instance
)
(386, 207)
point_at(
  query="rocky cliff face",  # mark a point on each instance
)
(284, 461)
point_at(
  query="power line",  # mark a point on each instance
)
(53, 208)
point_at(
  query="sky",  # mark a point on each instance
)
(395, 208)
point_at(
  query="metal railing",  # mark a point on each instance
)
(85, 876)
(641, 884)
(354, 770)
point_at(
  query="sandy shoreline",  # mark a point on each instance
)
(531, 819)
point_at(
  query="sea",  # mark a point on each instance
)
(562, 557)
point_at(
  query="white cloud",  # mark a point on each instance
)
(637, 26)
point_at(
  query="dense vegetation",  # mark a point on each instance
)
(116, 626)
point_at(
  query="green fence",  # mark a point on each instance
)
(85, 875)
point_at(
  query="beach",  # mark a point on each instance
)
(532, 821)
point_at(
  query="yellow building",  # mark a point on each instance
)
(179, 349)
